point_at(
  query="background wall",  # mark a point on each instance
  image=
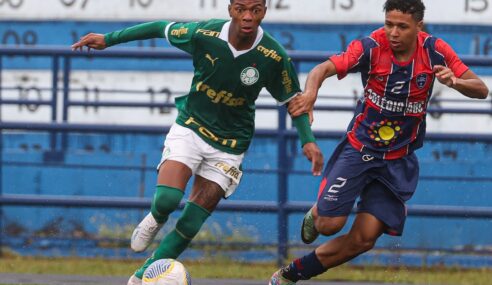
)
(452, 173)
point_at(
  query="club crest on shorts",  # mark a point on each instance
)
(421, 80)
(249, 75)
(166, 152)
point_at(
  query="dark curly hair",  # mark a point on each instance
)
(264, 1)
(414, 7)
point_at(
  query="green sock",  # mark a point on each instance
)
(175, 242)
(166, 200)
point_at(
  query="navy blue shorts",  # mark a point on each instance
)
(382, 185)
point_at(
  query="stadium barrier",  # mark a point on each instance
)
(61, 58)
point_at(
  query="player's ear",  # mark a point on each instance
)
(229, 8)
(420, 26)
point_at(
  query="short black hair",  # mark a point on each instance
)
(264, 2)
(414, 7)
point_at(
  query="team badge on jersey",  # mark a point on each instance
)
(249, 75)
(421, 80)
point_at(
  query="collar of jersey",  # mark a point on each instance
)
(224, 35)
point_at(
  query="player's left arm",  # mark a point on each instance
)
(468, 84)
(283, 84)
(309, 147)
(457, 75)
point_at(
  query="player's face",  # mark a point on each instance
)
(401, 30)
(247, 16)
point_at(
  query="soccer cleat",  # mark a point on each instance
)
(278, 279)
(144, 233)
(134, 280)
(308, 231)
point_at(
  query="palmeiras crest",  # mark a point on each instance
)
(421, 80)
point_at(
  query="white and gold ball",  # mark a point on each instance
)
(166, 272)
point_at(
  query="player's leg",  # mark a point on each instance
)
(212, 182)
(380, 211)
(172, 179)
(203, 200)
(205, 196)
(365, 230)
(216, 177)
(180, 158)
(313, 225)
(344, 178)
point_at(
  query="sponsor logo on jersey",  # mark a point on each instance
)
(286, 81)
(212, 60)
(179, 32)
(249, 75)
(385, 132)
(395, 106)
(208, 33)
(421, 79)
(271, 53)
(209, 134)
(222, 97)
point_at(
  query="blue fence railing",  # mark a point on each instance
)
(61, 63)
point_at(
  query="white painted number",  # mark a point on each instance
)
(341, 182)
(398, 87)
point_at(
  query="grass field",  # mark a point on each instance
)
(232, 269)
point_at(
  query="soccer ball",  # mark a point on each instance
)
(166, 272)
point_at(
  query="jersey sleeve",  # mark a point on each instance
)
(181, 35)
(451, 58)
(351, 60)
(283, 84)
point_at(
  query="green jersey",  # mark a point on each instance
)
(220, 106)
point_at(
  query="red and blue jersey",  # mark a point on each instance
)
(389, 121)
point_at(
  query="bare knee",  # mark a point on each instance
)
(329, 225)
(360, 244)
(206, 193)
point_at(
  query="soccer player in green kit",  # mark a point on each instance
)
(233, 60)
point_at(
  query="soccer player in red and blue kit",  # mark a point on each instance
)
(375, 161)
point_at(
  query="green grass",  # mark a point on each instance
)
(260, 271)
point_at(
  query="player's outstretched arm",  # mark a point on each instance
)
(468, 84)
(305, 103)
(94, 41)
(139, 32)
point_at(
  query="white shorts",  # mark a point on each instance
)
(223, 168)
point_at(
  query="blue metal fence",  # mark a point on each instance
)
(61, 59)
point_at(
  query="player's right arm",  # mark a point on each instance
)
(349, 61)
(143, 31)
(304, 103)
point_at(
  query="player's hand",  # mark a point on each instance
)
(301, 104)
(95, 41)
(313, 154)
(445, 75)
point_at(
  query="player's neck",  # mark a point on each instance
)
(241, 43)
(406, 55)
